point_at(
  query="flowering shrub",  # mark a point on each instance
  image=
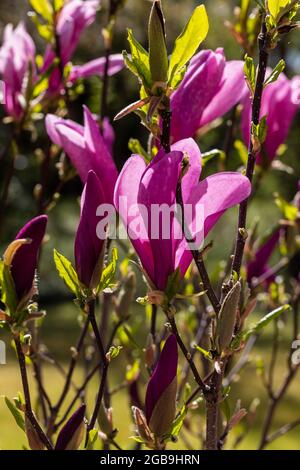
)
(146, 227)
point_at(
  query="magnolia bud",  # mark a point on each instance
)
(126, 296)
(164, 411)
(158, 55)
(141, 423)
(71, 435)
(34, 440)
(105, 420)
(227, 318)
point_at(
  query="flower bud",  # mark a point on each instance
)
(141, 423)
(71, 435)
(158, 56)
(34, 440)
(126, 296)
(105, 420)
(227, 318)
(161, 391)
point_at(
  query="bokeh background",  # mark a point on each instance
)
(60, 326)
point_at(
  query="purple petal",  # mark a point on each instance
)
(126, 203)
(88, 246)
(97, 67)
(258, 266)
(158, 187)
(232, 90)
(24, 262)
(163, 375)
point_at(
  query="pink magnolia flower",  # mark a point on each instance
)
(86, 147)
(210, 88)
(17, 61)
(280, 102)
(141, 187)
(160, 410)
(75, 16)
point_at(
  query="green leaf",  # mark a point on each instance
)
(178, 422)
(289, 211)
(43, 8)
(44, 30)
(242, 150)
(158, 56)
(249, 71)
(8, 291)
(108, 273)
(205, 353)
(207, 156)
(275, 73)
(274, 6)
(93, 435)
(194, 32)
(261, 324)
(16, 413)
(138, 63)
(114, 351)
(136, 147)
(67, 273)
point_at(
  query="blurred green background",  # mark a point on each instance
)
(60, 327)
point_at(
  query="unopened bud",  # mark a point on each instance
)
(141, 424)
(227, 318)
(71, 435)
(34, 440)
(105, 420)
(126, 296)
(158, 55)
(150, 352)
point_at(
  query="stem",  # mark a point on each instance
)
(153, 323)
(212, 410)
(262, 67)
(166, 115)
(105, 364)
(28, 408)
(186, 354)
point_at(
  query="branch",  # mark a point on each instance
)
(256, 105)
(28, 408)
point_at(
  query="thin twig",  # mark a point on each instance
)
(28, 408)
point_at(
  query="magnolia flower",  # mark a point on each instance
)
(140, 188)
(88, 246)
(71, 434)
(24, 262)
(160, 403)
(210, 88)
(97, 67)
(17, 63)
(86, 147)
(280, 101)
(258, 266)
(74, 17)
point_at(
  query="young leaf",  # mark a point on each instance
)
(158, 56)
(274, 6)
(275, 72)
(43, 8)
(16, 413)
(249, 70)
(67, 272)
(261, 324)
(138, 63)
(194, 32)
(108, 273)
